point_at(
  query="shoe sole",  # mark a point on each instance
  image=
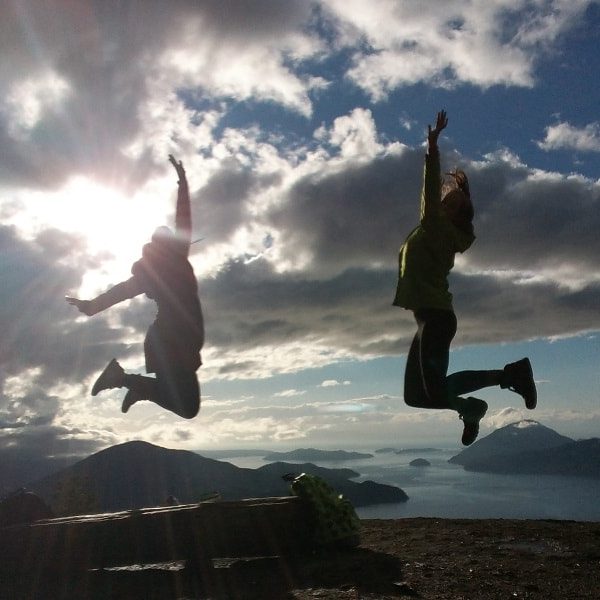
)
(98, 386)
(474, 423)
(467, 441)
(530, 399)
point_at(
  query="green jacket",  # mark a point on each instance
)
(427, 255)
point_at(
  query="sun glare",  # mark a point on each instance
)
(113, 225)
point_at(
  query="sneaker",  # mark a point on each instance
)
(471, 417)
(111, 377)
(518, 377)
(131, 397)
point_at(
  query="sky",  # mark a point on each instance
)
(301, 125)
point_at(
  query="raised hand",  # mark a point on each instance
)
(440, 124)
(84, 306)
(178, 167)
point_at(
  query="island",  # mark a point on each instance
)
(314, 455)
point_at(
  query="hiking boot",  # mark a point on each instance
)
(518, 377)
(112, 377)
(131, 397)
(471, 417)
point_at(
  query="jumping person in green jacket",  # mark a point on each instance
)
(173, 342)
(425, 260)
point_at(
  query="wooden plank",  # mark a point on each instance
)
(196, 532)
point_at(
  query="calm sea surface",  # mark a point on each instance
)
(448, 491)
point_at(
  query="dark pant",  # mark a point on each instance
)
(426, 383)
(174, 390)
(174, 361)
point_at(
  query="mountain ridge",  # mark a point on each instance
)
(311, 454)
(137, 474)
(528, 447)
(520, 436)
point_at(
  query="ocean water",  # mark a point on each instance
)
(445, 490)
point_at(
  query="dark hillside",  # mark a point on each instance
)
(527, 447)
(512, 439)
(138, 474)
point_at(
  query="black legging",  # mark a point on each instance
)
(177, 391)
(426, 383)
(175, 386)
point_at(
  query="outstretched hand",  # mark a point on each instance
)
(178, 167)
(440, 124)
(84, 306)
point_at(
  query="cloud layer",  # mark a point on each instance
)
(298, 262)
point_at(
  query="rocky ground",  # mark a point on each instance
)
(409, 558)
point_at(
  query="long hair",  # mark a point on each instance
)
(456, 190)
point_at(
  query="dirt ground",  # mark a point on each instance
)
(430, 559)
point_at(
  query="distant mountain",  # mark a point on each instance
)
(573, 459)
(139, 474)
(406, 450)
(419, 462)
(312, 454)
(240, 453)
(360, 494)
(521, 437)
(528, 447)
(416, 450)
(280, 468)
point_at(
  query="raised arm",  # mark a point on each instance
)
(433, 134)
(431, 194)
(183, 211)
(122, 291)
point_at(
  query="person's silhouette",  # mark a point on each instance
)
(173, 342)
(425, 260)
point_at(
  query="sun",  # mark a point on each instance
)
(114, 225)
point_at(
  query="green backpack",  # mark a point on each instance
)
(334, 520)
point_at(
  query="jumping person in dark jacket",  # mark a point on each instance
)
(425, 260)
(173, 342)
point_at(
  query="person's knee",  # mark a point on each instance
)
(189, 411)
(189, 394)
(414, 398)
(186, 401)
(426, 397)
(180, 393)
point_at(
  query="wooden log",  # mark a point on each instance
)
(193, 532)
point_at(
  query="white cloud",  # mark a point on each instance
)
(113, 81)
(245, 52)
(266, 430)
(289, 393)
(482, 43)
(29, 100)
(333, 383)
(347, 407)
(406, 122)
(564, 136)
(501, 418)
(356, 135)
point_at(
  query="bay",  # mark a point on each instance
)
(445, 490)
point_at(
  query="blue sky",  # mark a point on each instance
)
(301, 126)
